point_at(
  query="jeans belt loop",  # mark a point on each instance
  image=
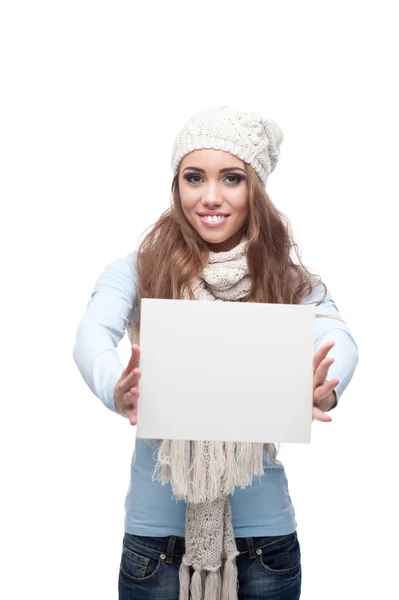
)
(251, 547)
(170, 549)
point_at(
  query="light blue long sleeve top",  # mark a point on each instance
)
(262, 509)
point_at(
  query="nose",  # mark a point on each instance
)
(211, 196)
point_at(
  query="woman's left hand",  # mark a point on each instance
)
(323, 395)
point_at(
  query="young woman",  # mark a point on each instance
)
(222, 525)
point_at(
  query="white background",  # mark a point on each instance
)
(92, 95)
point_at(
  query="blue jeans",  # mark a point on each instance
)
(269, 568)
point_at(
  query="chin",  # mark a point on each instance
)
(215, 238)
(225, 243)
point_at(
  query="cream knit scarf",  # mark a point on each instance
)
(204, 473)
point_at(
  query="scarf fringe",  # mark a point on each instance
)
(201, 471)
(213, 584)
(231, 471)
(230, 581)
(196, 586)
(205, 585)
(173, 464)
(184, 577)
(197, 477)
(249, 462)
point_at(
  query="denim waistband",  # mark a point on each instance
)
(173, 547)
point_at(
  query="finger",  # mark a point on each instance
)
(324, 390)
(133, 417)
(320, 374)
(134, 359)
(132, 413)
(130, 381)
(319, 415)
(130, 405)
(321, 353)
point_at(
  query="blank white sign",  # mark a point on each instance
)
(228, 371)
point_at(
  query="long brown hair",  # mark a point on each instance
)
(173, 254)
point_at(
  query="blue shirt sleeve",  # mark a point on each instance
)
(329, 326)
(102, 327)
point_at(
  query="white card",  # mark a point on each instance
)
(228, 371)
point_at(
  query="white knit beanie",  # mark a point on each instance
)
(249, 136)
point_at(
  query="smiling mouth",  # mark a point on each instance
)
(213, 221)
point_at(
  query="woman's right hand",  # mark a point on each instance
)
(126, 390)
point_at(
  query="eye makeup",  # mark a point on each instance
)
(188, 176)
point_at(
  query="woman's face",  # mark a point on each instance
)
(213, 182)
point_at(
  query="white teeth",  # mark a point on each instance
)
(213, 218)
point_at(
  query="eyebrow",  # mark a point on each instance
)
(221, 170)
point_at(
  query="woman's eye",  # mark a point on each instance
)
(194, 177)
(236, 177)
